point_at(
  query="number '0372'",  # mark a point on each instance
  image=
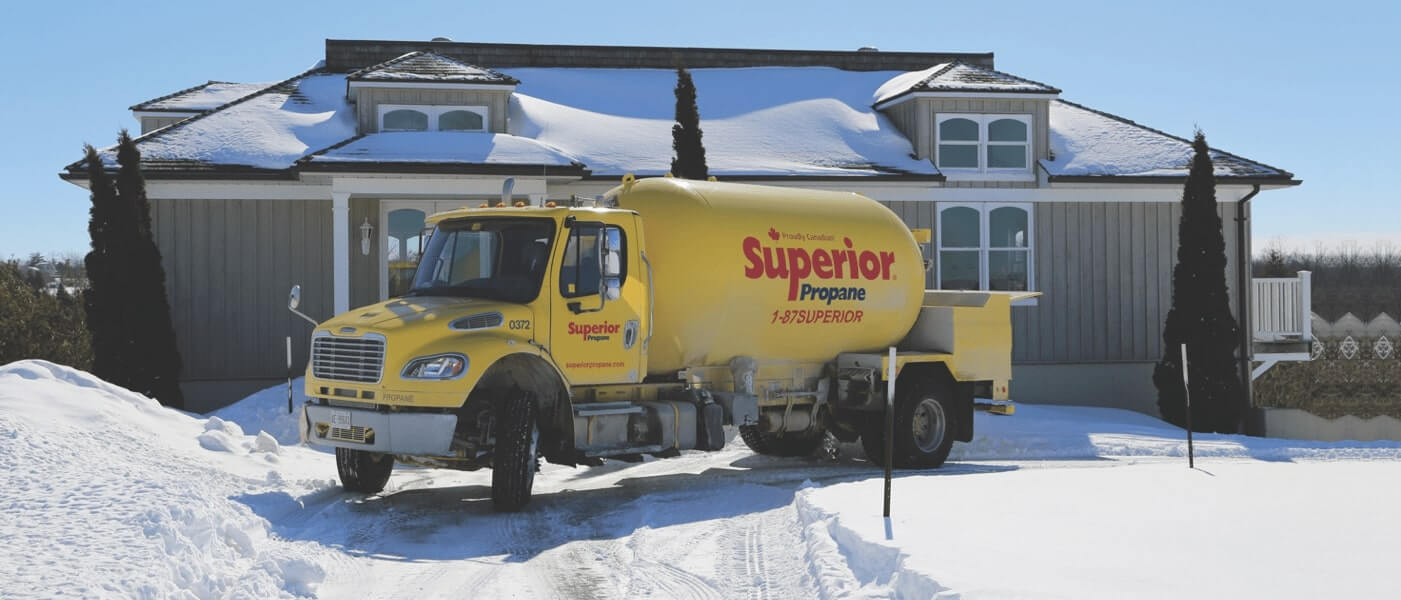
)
(520, 324)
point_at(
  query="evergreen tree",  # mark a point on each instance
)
(104, 302)
(158, 369)
(1200, 315)
(689, 162)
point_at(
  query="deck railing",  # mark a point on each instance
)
(1281, 309)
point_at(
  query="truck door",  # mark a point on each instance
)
(599, 299)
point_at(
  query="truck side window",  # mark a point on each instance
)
(580, 273)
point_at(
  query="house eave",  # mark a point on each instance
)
(910, 95)
(911, 177)
(443, 168)
(1284, 181)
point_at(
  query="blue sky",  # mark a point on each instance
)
(1309, 87)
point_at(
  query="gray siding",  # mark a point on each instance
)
(1105, 274)
(368, 101)
(903, 116)
(229, 264)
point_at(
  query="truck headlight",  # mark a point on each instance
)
(438, 366)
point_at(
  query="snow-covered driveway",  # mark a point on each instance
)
(106, 494)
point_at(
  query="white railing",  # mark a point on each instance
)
(1281, 308)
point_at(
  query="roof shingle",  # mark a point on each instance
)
(959, 77)
(205, 96)
(424, 66)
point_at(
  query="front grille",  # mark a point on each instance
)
(347, 359)
(354, 433)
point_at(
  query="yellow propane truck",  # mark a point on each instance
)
(644, 323)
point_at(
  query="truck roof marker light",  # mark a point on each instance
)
(628, 181)
(550, 204)
(500, 204)
(711, 179)
(519, 204)
(482, 206)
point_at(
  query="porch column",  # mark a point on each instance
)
(340, 250)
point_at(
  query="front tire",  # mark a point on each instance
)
(361, 471)
(514, 459)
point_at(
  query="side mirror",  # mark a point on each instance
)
(611, 263)
(294, 298)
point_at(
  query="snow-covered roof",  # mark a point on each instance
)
(268, 130)
(1087, 142)
(780, 121)
(206, 96)
(474, 148)
(424, 66)
(757, 121)
(958, 77)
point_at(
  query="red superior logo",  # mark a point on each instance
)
(593, 331)
(797, 264)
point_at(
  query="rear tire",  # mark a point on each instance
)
(924, 427)
(363, 472)
(772, 445)
(514, 459)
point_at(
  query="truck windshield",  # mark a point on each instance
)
(497, 259)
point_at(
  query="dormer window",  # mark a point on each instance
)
(983, 144)
(400, 117)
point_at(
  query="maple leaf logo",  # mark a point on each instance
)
(773, 234)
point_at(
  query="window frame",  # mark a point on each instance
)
(983, 171)
(985, 242)
(603, 229)
(434, 111)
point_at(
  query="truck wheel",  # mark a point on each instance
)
(771, 445)
(513, 461)
(924, 429)
(364, 472)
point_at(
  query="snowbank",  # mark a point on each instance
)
(1071, 432)
(266, 411)
(1234, 529)
(106, 493)
(445, 146)
(757, 121)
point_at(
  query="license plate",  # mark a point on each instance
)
(340, 418)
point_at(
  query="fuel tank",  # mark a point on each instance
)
(774, 273)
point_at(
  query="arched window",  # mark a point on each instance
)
(958, 143)
(460, 120)
(432, 117)
(1007, 144)
(984, 144)
(1009, 253)
(985, 246)
(960, 248)
(405, 119)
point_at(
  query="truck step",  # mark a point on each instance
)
(996, 409)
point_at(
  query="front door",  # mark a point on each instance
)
(401, 238)
(596, 336)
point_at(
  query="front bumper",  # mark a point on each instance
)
(412, 434)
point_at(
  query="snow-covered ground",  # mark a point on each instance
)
(107, 494)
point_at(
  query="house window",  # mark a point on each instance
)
(405, 119)
(985, 246)
(393, 117)
(983, 144)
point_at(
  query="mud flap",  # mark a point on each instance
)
(710, 425)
